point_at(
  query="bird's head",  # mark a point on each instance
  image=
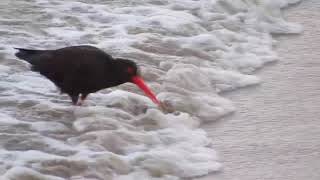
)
(130, 72)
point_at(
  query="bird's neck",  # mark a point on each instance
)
(114, 74)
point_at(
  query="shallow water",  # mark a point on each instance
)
(189, 51)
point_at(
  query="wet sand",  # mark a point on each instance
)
(275, 133)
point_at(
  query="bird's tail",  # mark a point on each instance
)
(27, 54)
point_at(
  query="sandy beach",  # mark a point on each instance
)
(275, 133)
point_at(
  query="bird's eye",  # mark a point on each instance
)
(130, 70)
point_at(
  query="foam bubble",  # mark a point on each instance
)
(26, 173)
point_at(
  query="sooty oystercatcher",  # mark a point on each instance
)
(81, 70)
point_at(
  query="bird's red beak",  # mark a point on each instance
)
(140, 83)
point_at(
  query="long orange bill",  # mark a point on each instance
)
(140, 83)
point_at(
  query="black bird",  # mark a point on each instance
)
(81, 70)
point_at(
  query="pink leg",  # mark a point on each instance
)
(81, 100)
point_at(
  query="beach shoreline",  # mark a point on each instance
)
(274, 133)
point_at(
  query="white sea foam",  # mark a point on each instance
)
(189, 52)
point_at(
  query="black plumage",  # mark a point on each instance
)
(81, 70)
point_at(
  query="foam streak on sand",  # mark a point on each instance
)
(190, 51)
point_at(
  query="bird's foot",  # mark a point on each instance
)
(80, 102)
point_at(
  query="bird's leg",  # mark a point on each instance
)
(74, 99)
(82, 98)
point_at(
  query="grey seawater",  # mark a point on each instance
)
(189, 51)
